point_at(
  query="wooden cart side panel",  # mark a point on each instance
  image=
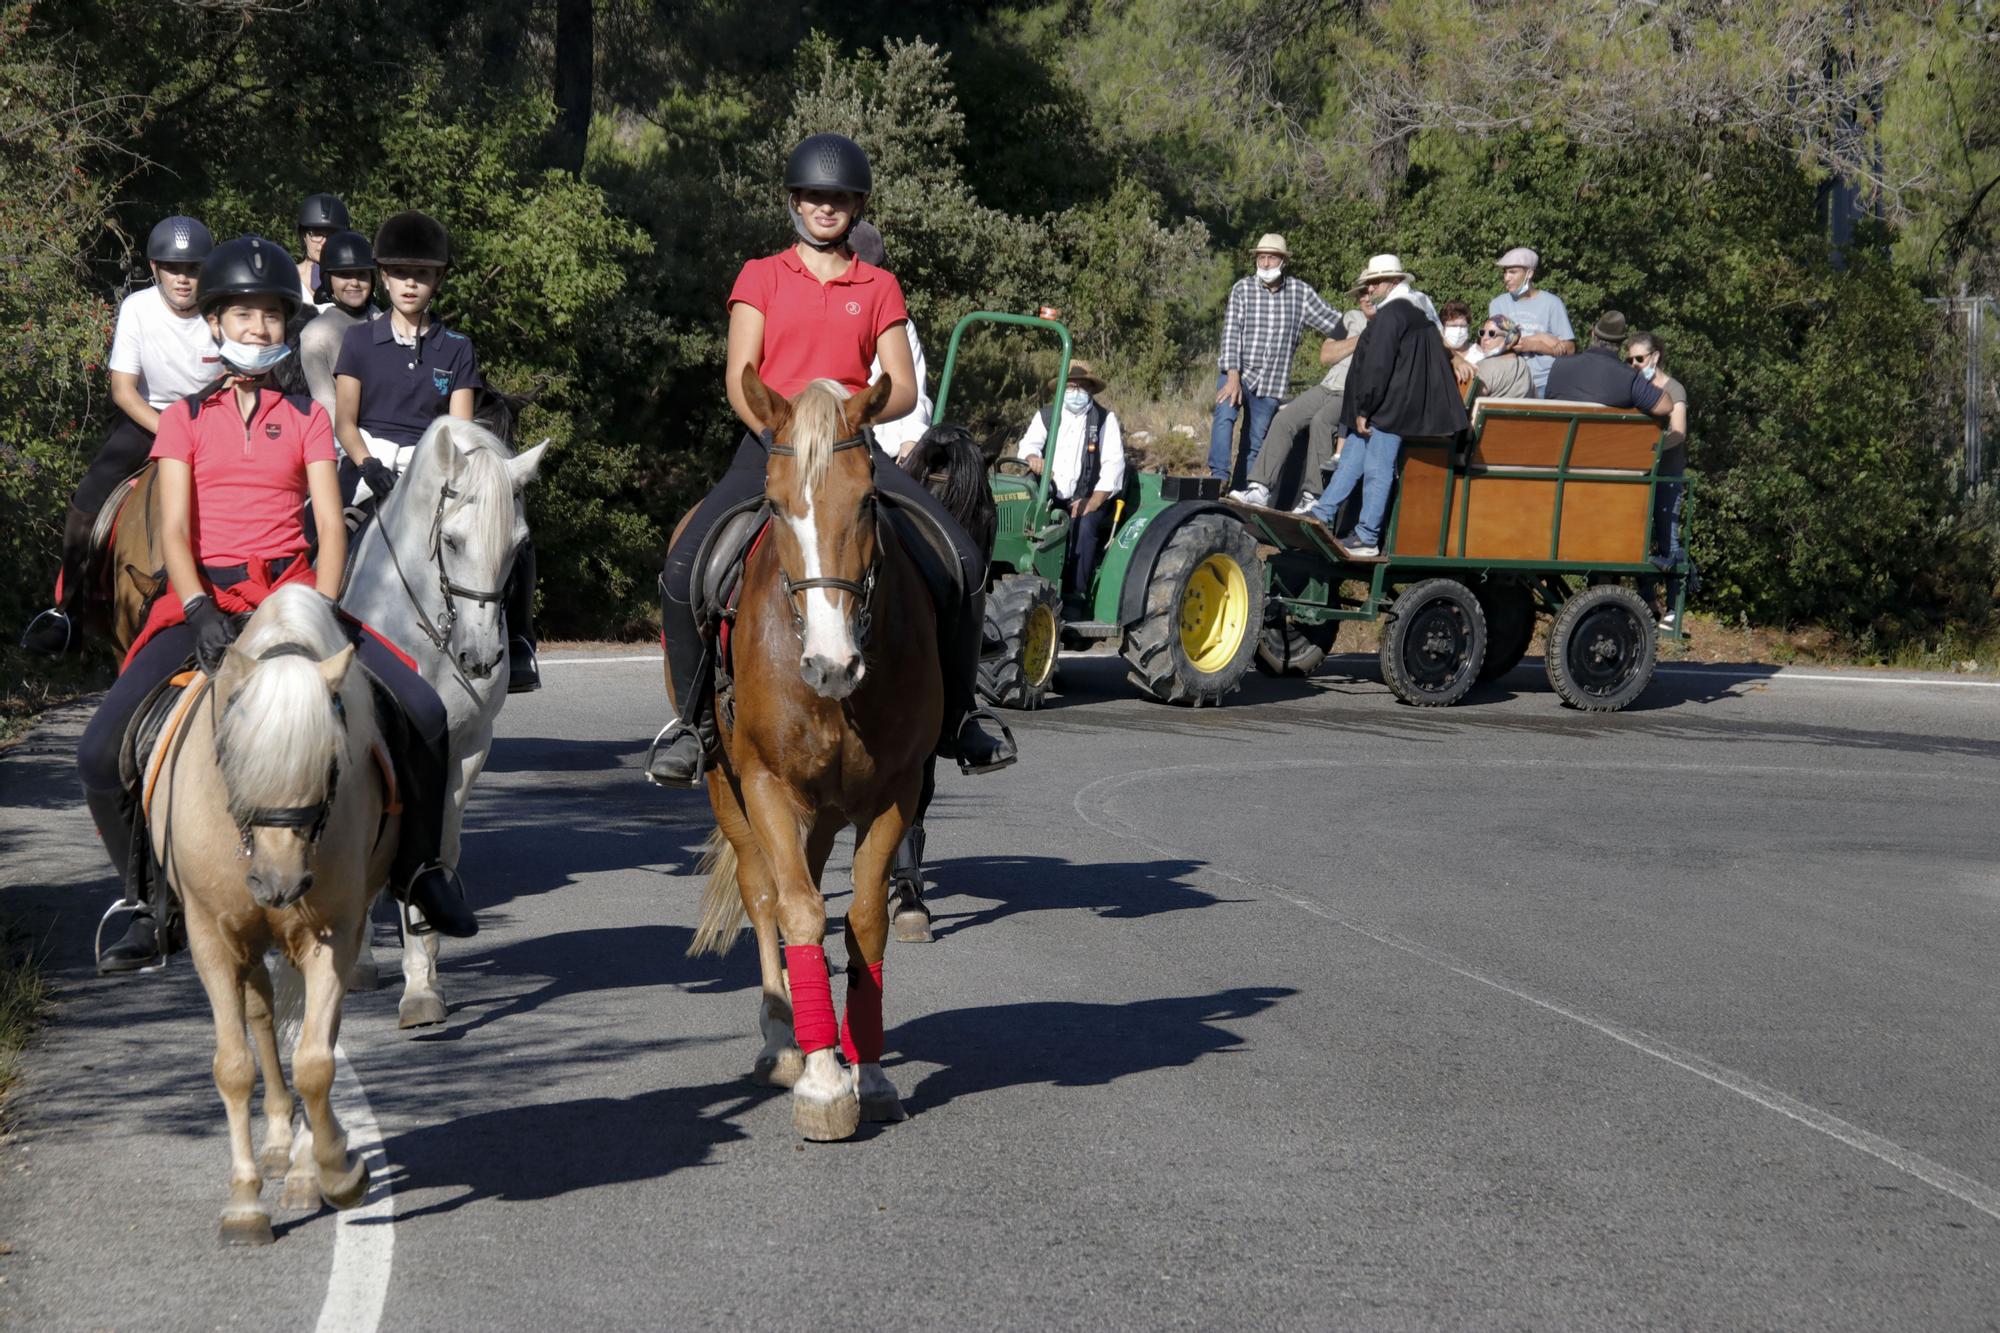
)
(1420, 503)
(1514, 442)
(1604, 522)
(1631, 445)
(1508, 518)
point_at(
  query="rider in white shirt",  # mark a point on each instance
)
(895, 437)
(1087, 472)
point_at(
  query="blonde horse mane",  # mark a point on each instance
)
(278, 735)
(817, 425)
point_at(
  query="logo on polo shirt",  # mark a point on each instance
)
(271, 431)
(442, 379)
(854, 307)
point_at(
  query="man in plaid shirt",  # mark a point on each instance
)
(1259, 334)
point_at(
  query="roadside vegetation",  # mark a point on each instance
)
(604, 167)
(22, 996)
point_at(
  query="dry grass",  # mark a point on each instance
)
(30, 685)
(22, 996)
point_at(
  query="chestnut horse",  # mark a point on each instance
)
(838, 699)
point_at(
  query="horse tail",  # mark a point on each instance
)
(288, 999)
(951, 465)
(721, 903)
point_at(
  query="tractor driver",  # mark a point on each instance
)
(1089, 472)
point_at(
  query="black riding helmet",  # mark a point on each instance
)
(322, 211)
(411, 238)
(178, 240)
(829, 162)
(248, 266)
(346, 252)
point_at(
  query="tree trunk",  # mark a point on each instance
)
(575, 63)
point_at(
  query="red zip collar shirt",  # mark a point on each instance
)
(249, 485)
(815, 330)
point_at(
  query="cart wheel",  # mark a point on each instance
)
(1289, 648)
(1204, 604)
(1023, 617)
(1601, 649)
(1510, 626)
(1433, 643)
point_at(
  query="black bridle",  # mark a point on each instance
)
(440, 634)
(309, 821)
(862, 590)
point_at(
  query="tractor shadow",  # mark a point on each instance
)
(1114, 890)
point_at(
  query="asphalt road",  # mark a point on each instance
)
(1312, 1011)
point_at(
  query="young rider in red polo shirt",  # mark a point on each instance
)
(237, 461)
(815, 311)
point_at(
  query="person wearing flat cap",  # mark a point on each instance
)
(1260, 331)
(1598, 374)
(1544, 322)
(1087, 471)
(1401, 387)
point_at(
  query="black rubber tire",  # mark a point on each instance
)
(1510, 626)
(1289, 648)
(1433, 643)
(1602, 649)
(1152, 644)
(1005, 674)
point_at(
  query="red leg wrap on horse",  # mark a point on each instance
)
(861, 1029)
(812, 997)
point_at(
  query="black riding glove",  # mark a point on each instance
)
(378, 476)
(213, 632)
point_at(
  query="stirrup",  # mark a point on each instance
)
(59, 616)
(1007, 748)
(97, 941)
(669, 733)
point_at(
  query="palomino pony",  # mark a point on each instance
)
(838, 698)
(269, 813)
(427, 575)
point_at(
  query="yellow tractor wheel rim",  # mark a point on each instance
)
(1215, 613)
(1038, 646)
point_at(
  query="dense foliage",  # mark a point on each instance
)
(1672, 160)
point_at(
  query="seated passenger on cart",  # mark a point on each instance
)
(237, 461)
(1088, 473)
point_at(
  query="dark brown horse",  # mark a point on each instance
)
(838, 699)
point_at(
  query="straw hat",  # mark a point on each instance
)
(1270, 243)
(1380, 267)
(1085, 378)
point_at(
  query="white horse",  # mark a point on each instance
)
(428, 574)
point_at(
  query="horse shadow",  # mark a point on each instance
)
(514, 847)
(1114, 890)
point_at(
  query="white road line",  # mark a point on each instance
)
(364, 1238)
(595, 661)
(1966, 1189)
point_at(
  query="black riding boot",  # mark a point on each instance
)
(677, 758)
(55, 631)
(524, 669)
(976, 749)
(421, 878)
(114, 814)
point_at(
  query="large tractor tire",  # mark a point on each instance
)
(1204, 611)
(1510, 626)
(1023, 628)
(1288, 648)
(1602, 648)
(1433, 643)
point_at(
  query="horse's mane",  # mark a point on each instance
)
(484, 476)
(279, 732)
(817, 424)
(948, 461)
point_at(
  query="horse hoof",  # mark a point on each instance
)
(779, 1071)
(250, 1227)
(275, 1160)
(913, 926)
(420, 1011)
(301, 1195)
(883, 1110)
(366, 974)
(350, 1189)
(826, 1122)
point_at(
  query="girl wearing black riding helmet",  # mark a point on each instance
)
(321, 217)
(347, 269)
(815, 311)
(237, 461)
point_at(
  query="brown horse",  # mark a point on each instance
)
(838, 698)
(129, 568)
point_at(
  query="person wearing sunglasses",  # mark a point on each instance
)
(1597, 375)
(1501, 371)
(1644, 352)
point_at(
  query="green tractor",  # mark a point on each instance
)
(1180, 586)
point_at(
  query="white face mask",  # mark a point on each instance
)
(1454, 336)
(1272, 274)
(249, 359)
(1075, 399)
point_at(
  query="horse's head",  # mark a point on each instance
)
(820, 482)
(280, 736)
(470, 488)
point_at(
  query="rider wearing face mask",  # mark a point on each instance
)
(1541, 317)
(160, 353)
(1089, 472)
(236, 462)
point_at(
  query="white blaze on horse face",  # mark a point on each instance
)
(829, 633)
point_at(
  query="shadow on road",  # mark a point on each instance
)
(1120, 890)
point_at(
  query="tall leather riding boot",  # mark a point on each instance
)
(56, 631)
(679, 749)
(977, 749)
(114, 813)
(524, 668)
(419, 876)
